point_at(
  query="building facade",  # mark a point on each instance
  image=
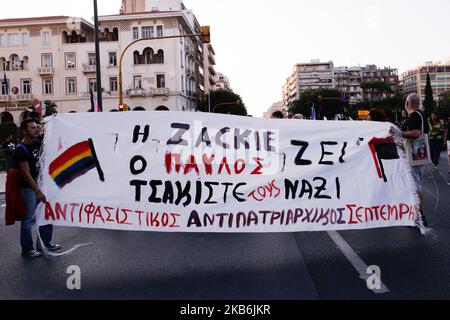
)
(323, 75)
(221, 82)
(415, 80)
(278, 106)
(53, 58)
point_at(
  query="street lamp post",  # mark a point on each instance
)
(204, 34)
(97, 60)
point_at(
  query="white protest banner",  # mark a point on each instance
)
(197, 172)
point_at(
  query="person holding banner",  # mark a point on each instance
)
(27, 161)
(413, 128)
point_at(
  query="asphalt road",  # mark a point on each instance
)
(157, 266)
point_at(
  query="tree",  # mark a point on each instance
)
(328, 103)
(443, 108)
(223, 101)
(51, 108)
(429, 103)
(376, 86)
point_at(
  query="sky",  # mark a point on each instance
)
(258, 42)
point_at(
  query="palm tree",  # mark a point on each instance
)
(51, 108)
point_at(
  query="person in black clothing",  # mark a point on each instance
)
(8, 148)
(412, 129)
(26, 157)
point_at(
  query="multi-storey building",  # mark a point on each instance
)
(318, 75)
(53, 58)
(209, 63)
(278, 106)
(221, 82)
(386, 74)
(305, 76)
(414, 81)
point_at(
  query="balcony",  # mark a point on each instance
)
(46, 71)
(24, 97)
(87, 68)
(5, 98)
(85, 94)
(159, 91)
(136, 93)
(211, 59)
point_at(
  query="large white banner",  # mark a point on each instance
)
(196, 172)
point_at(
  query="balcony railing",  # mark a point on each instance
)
(159, 91)
(44, 71)
(136, 92)
(5, 98)
(24, 97)
(87, 68)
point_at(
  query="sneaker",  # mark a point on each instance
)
(435, 168)
(51, 248)
(31, 254)
(54, 247)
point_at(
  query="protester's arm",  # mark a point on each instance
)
(415, 134)
(25, 170)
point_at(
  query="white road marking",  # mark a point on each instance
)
(355, 260)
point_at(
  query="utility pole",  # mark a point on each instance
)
(97, 60)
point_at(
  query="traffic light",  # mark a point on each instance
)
(206, 35)
(123, 107)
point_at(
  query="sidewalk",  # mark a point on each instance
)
(2, 182)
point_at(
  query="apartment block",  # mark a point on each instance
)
(53, 58)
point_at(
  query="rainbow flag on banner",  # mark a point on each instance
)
(75, 162)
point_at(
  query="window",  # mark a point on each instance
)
(161, 81)
(137, 82)
(113, 87)
(92, 59)
(147, 32)
(25, 39)
(46, 38)
(148, 55)
(5, 87)
(113, 59)
(47, 86)
(160, 56)
(26, 86)
(13, 39)
(159, 31)
(2, 40)
(71, 60)
(47, 60)
(135, 33)
(71, 85)
(93, 85)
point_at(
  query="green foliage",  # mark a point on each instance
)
(429, 103)
(330, 104)
(392, 106)
(52, 108)
(223, 101)
(443, 108)
(377, 86)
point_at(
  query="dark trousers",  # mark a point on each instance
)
(435, 149)
(26, 238)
